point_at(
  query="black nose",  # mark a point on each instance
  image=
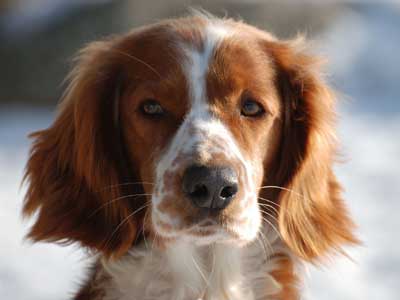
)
(210, 187)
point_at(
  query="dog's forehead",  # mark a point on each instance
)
(215, 64)
(198, 61)
(222, 58)
(205, 57)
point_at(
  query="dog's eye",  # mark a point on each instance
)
(152, 108)
(251, 108)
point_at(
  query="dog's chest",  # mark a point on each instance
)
(183, 272)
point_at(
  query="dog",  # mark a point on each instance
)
(193, 159)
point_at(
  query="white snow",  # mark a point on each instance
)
(42, 271)
(371, 177)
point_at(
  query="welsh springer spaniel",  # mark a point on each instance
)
(193, 158)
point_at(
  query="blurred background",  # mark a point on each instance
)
(361, 39)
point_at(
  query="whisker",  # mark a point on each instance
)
(269, 214)
(125, 220)
(185, 262)
(269, 222)
(269, 206)
(269, 201)
(261, 242)
(123, 184)
(281, 188)
(152, 245)
(114, 200)
(200, 271)
(144, 222)
(272, 225)
(211, 272)
(264, 241)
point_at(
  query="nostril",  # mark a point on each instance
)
(199, 191)
(228, 192)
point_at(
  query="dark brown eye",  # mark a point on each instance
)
(251, 108)
(152, 108)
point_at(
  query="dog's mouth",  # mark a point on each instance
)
(209, 231)
(234, 224)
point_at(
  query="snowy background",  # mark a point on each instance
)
(363, 46)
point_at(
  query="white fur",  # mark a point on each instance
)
(184, 272)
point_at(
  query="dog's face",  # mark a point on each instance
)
(197, 129)
(202, 128)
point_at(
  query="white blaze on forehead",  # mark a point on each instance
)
(204, 126)
(203, 133)
(196, 66)
(198, 62)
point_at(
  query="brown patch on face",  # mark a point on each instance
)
(240, 70)
(147, 136)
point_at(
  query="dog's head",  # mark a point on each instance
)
(198, 129)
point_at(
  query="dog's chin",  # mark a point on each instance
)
(211, 231)
(216, 234)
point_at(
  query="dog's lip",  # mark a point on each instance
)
(217, 234)
(210, 230)
(208, 223)
(211, 226)
(205, 225)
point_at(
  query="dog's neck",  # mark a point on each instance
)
(183, 271)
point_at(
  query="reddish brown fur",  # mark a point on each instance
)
(286, 276)
(77, 164)
(315, 220)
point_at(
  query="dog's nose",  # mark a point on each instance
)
(210, 187)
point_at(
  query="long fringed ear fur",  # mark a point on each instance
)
(75, 166)
(313, 219)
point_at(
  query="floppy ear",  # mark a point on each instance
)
(313, 219)
(75, 165)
